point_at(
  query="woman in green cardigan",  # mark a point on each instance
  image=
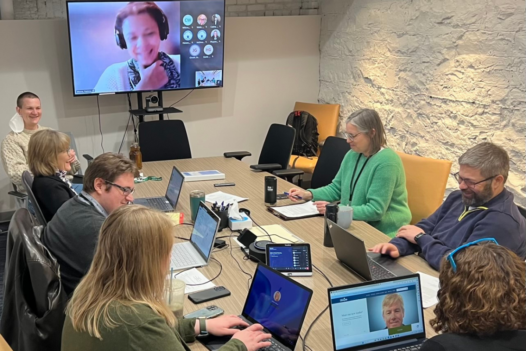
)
(119, 305)
(371, 178)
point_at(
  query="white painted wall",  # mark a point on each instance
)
(270, 62)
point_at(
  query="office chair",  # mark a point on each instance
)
(426, 181)
(275, 153)
(327, 116)
(329, 162)
(27, 180)
(34, 301)
(73, 145)
(163, 140)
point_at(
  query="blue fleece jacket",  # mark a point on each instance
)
(447, 229)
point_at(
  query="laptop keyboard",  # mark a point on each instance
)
(378, 271)
(409, 348)
(274, 347)
(182, 257)
(158, 203)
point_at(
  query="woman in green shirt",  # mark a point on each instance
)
(371, 178)
(119, 304)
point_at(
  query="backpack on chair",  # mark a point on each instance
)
(306, 126)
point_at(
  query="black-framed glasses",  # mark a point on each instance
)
(351, 136)
(125, 190)
(469, 183)
(451, 256)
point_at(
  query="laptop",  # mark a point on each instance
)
(197, 251)
(168, 202)
(352, 253)
(380, 315)
(278, 303)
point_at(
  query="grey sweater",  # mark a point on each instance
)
(72, 237)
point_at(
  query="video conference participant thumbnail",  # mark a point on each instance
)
(374, 313)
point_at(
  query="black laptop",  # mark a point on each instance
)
(352, 253)
(276, 302)
(168, 202)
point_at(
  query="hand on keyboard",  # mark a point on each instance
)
(253, 337)
(225, 325)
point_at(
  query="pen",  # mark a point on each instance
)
(296, 196)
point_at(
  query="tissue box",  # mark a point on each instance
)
(236, 224)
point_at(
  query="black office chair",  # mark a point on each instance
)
(27, 180)
(331, 157)
(163, 140)
(34, 301)
(275, 154)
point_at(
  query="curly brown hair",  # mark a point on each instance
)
(487, 294)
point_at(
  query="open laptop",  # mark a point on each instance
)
(168, 202)
(360, 320)
(276, 302)
(352, 253)
(197, 251)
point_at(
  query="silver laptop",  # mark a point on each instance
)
(352, 253)
(380, 315)
(197, 251)
(276, 302)
(168, 202)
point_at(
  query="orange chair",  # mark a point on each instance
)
(426, 180)
(327, 116)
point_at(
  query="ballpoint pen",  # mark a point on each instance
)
(296, 196)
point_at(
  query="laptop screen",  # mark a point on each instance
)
(174, 187)
(377, 312)
(205, 227)
(278, 303)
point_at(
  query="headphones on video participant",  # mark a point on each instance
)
(154, 11)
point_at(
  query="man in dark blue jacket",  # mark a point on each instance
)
(482, 208)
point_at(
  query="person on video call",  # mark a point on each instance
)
(139, 28)
(393, 311)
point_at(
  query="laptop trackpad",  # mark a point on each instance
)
(389, 263)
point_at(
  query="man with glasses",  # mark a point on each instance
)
(71, 236)
(482, 208)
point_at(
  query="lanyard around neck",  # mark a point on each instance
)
(353, 184)
(466, 211)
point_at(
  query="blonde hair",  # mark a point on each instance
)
(43, 150)
(392, 299)
(134, 244)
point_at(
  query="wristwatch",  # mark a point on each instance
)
(202, 327)
(418, 236)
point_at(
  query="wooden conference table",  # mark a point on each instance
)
(250, 184)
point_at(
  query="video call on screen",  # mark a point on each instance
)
(194, 44)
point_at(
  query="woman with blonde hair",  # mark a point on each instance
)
(49, 161)
(482, 300)
(119, 304)
(371, 178)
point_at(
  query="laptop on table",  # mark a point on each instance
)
(352, 253)
(168, 202)
(197, 251)
(276, 302)
(360, 321)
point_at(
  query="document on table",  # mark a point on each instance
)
(297, 211)
(192, 277)
(221, 197)
(278, 233)
(430, 286)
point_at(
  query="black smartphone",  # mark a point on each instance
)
(209, 294)
(217, 185)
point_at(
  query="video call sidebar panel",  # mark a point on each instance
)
(202, 30)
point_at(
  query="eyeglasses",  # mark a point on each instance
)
(125, 190)
(469, 183)
(351, 136)
(451, 259)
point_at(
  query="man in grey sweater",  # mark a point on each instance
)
(71, 236)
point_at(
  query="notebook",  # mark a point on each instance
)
(295, 211)
(381, 315)
(276, 302)
(197, 251)
(168, 202)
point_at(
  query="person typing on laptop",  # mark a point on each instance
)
(481, 301)
(117, 306)
(481, 208)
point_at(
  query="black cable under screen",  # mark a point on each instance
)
(184, 97)
(100, 127)
(124, 135)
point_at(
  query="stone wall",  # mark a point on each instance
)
(443, 74)
(40, 9)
